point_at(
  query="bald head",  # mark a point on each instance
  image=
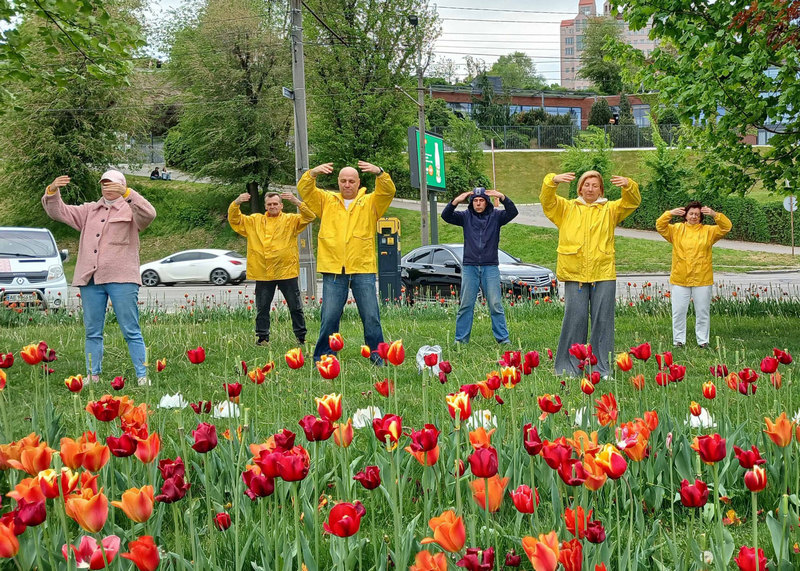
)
(349, 182)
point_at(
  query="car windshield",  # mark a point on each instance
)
(26, 244)
(503, 257)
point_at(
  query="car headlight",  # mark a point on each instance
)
(54, 273)
(552, 277)
(511, 279)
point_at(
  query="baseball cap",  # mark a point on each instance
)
(114, 176)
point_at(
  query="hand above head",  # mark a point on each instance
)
(463, 197)
(368, 167)
(242, 198)
(707, 211)
(59, 182)
(495, 194)
(113, 190)
(564, 177)
(290, 197)
(617, 180)
(326, 168)
(678, 211)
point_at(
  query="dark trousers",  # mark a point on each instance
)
(265, 291)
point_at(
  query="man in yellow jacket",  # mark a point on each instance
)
(346, 248)
(273, 259)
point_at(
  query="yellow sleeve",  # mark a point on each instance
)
(554, 206)
(303, 218)
(630, 201)
(384, 193)
(722, 227)
(664, 227)
(313, 197)
(237, 220)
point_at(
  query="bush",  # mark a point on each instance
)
(591, 151)
(176, 152)
(600, 113)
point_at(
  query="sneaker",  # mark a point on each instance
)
(703, 345)
(504, 342)
(262, 342)
(678, 344)
(94, 378)
(143, 381)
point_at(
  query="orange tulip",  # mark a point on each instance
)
(9, 544)
(584, 443)
(31, 354)
(595, 475)
(651, 420)
(577, 520)
(732, 380)
(780, 431)
(542, 552)
(396, 353)
(638, 381)
(95, 456)
(448, 531)
(147, 449)
(479, 438)
(624, 362)
(137, 503)
(3, 379)
(29, 490)
(71, 453)
(497, 487)
(425, 458)
(425, 561)
(33, 459)
(607, 411)
(88, 509)
(330, 407)
(611, 461)
(343, 433)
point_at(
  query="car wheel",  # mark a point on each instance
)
(150, 278)
(219, 277)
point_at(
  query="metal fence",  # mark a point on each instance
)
(554, 136)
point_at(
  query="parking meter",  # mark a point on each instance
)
(389, 259)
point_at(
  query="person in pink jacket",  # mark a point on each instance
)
(108, 262)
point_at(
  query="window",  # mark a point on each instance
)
(569, 40)
(204, 256)
(183, 257)
(441, 256)
(568, 51)
(421, 257)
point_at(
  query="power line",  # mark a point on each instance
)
(324, 25)
(504, 10)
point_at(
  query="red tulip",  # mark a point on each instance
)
(595, 532)
(512, 559)
(719, 370)
(344, 519)
(477, 559)
(222, 521)
(580, 351)
(711, 448)
(173, 489)
(31, 513)
(530, 361)
(396, 353)
(123, 446)
(531, 440)
(784, 358)
(144, 553)
(424, 440)
(335, 342)
(709, 390)
(664, 359)
(369, 477)
(205, 437)
(6, 360)
(694, 496)
(316, 429)
(748, 375)
(293, 464)
(365, 351)
(459, 405)
(329, 406)
(571, 555)
(74, 383)
(756, 479)
(390, 426)
(384, 387)
(572, 472)
(642, 352)
(445, 367)
(550, 404)
(196, 356)
(695, 409)
(201, 406)
(431, 359)
(118, 383)
(161, 364)
(769, 365)
(442, 377)
(748, 458)
(611, 461)
(607, 411)
(170, 468)
(233, 390)
(294, 358)
(556, 453)
(587, 387)
(257, 485)
(106, 409)
(746, 561)
(328, 367)
(483, 462)
(525, 499)
(31, 355)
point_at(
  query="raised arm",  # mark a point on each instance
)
(450, 214)
(630, 200)
(55, 208)
(304, 215)
(663, 225)
(236, 219)
(554, 206)
(723, 224)
(307, 188)
(143, 212)
(384, 187)
(509, 211)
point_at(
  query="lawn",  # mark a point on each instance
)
(644, 524)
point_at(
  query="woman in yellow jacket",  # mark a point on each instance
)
(692, 275)
(586, 262)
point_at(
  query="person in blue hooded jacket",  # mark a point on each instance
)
(481, 222)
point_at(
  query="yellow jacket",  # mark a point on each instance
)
(346, 238)
(271, 241)
(586, 231)
(691, 248)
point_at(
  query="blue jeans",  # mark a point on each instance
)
(124, 298)
(334, 297)
(486, 278)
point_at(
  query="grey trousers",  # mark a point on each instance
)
(579, 300)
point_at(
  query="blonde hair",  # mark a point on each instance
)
(591, 174)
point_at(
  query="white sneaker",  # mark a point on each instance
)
(94, 378)
(143, 381)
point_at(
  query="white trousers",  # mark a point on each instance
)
(681, 296)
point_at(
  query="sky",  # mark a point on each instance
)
(470, 28)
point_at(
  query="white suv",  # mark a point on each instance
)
(30, 268)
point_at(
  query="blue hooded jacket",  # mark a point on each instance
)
(481, 231)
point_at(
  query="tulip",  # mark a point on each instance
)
(257, 376)
(74, 383)
(576, 521)
(389, 427)
(369, 477)
(442, 377)
(196, 356)
(344, 519)
(694, 496)
(556, 453)
(173, 489)
(90, 555)
(746, 561)
(611, 461)
(3, 379)
(748, 375)
(780, 431)
(257, 484)
(330, 407)
(294, 358)
(89, 509)
(425, 561)
(638, 381)
(95, 456)
(543, 552)
(343, 433)
(459, 404)
(170, 468)
(641, 352)
(233, 390)
(676, 373)
(695, 409)
(424, 440)
(147, 449)
(477, 559)
(756, 479)
(425, 458)
(664, 359)
(365, 351)
(711, 448)
(530, 360)
(607, 411)
(137, 503)
(48, 354)
(431, 359)
(549, 404)
(335, 342)
(328, 367)
(512, 559)
(161, 364)
(448, 532)
(587, 387)
(571, 555)
(748, 458)
(594, 473)
(497, 486)
(709, 390)
(595, 532)
(383, 350)
(784, 358)
(769, 365)
(106, 409)
(205, 437)
(316, 429)
(384, 387)
(293, 464)
(396, 353)
(662, 379)
(6, 360)
(144, 553)
(531, 440)
(118, 383)
(222, 521)
(9, 544)
(572, 472)
(445, 367)
(33, 459)
(776, 379)
(31, 514)
(121, 447)
(201, 406)
(624, 362)
(483, 462)
(524, 498)
(31, 355)
(580, 352)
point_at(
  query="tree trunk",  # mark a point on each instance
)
(256, 204)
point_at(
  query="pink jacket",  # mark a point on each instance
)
(109, 243)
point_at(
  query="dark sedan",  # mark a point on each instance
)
(435, 272)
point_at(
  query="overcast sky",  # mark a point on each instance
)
(469, 27)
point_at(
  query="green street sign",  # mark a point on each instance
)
(434, 160)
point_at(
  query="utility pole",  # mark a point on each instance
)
(308, 265)
(423, 173)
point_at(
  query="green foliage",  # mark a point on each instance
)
(625, 111)
(600, 113)
(489, 108)
(459, 180)
(177, 153)
(538, 116)
(597, 63)
(437, 113)
(735, 56)
(465, 138)
(591, 151)
(517, 71)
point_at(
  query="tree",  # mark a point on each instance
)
(732, 68)
(464, 136)
(475, 67)
(517, 71)
(600, 113)
(597, 63)
(102, 42)
(489, 108)
(625, 111)
(437, 113)
(230, 59)
(445, 68)
(353, 65)
(591, 151)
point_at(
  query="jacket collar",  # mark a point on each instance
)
(361, 192)
(600, 201)
(101, 204)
